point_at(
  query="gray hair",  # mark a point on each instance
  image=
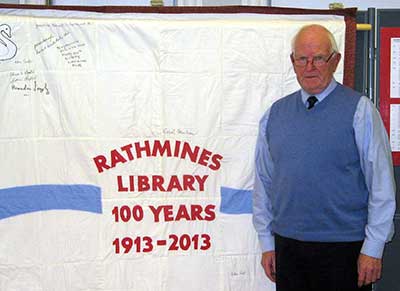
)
(334, 47)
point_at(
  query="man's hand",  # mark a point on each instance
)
(268, 263)
(369, 269)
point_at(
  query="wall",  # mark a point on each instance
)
(361, 5)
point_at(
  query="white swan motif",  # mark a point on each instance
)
(8, 49)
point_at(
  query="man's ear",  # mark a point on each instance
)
(292, 58)
(338, 56)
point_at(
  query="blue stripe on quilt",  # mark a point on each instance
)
(25, 199)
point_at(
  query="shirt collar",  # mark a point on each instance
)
(321, 96)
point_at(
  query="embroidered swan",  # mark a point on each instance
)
(8, 49)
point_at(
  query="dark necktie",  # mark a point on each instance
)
(311, 101)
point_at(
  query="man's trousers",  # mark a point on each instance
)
(317, 266)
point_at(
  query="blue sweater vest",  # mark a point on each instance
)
(318, 190)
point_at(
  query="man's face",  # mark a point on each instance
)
(315, 75)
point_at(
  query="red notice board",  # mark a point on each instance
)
(389, 83)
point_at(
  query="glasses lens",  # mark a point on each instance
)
(316, 61)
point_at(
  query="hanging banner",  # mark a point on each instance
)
(126, 144)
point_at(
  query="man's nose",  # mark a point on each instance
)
(310, 64)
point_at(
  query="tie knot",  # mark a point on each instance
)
(311, 101)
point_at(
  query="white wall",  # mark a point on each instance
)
(9, 1)
(108, 2)
(317, 4)
(324, 4)
(314, 4)
(87, 2)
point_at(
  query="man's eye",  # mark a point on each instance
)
(319, 59)
(303, 59)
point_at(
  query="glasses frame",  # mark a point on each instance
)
(303, 61)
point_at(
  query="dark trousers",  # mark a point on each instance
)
(316, 266)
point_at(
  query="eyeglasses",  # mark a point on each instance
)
(317, 61)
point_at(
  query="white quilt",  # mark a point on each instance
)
(126, 145)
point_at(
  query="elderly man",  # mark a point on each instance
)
(323, 200)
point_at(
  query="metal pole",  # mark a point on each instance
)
(371, 55)
(371, 63)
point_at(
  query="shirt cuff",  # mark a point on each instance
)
(373, 248)
(267, 243)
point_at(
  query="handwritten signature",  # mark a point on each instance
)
(49, 42)
(35, 88)
(27, 75)
(183, 131)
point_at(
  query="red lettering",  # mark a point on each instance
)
(204, 157)
(210, 212)
(100, 162)
(143, 183)
(116, 158)
(140, 149)
(174, 184)
(216, 159)
(188, 181)
(195, 211)
(156, 212)
(182, 213)
(128, 150)
(158, 182)
(132, 183)
(187, 150)
(121, 187)
(168, 213)
(166, 147)
(156, 148)
(201, 180)
(177, 148)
